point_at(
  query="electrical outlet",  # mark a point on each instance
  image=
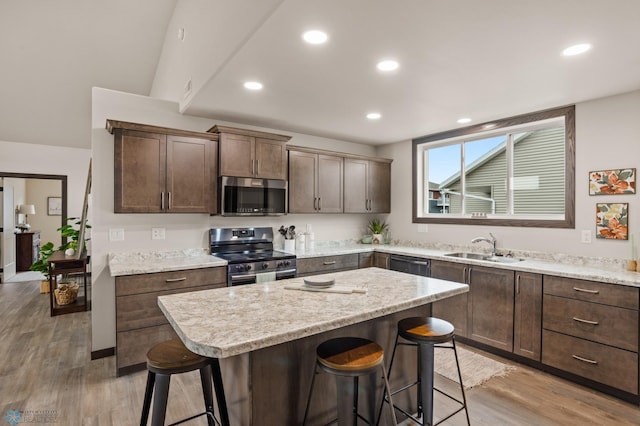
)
(157, 233)
(585, 236)
(116, 234)
(423, 227)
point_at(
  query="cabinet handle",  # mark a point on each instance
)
(253, 167)
(585, 321)
(333, 262)
(258, 167)
(319, 203)
(584, 290)
(173, 280)
(162, 200)
(369, 205)
(315, 203)
(590, 361)
(518, 284)
(169, 196)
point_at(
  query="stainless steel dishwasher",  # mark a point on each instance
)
(410, 265)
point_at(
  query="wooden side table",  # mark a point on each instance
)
(59, 263)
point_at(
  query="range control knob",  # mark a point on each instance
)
(240, 268)
(265, 265)
(248, 267)
(287, 263)
(279, 264)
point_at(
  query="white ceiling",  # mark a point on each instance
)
(458, 58)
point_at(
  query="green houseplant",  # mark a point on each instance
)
(377, 227)
(72, 233)
(42, 265)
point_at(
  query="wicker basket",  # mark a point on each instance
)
(66, 293)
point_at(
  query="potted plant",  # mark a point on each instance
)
(72, 234)
(42, 265)
(377, 227)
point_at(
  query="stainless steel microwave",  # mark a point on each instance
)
(252, 197)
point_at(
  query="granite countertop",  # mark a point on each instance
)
(161, 261)
(279, 315)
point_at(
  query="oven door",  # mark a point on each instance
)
(242, 279)
(252, 197)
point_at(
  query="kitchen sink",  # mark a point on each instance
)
(486, 257)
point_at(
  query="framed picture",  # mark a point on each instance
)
(612, 221)
(54, 206)
(612, 182)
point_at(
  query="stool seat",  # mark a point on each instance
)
(350, 354)
(425, 329)
(173, 357)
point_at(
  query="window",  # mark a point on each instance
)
(517, 171)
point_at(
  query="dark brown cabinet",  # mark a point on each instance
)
(320, 265)
(160, 170)
(527, 316)
(315, 182)
(452, 309)
(252, 154)
(369, 186)
(27, 249)
(590, 329)
(140, 323)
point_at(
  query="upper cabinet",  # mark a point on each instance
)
(369, 188)
(248, 153)
(162, 170)
(315, 182)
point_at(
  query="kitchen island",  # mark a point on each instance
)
(265, 335)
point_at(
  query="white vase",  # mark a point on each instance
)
(376, 238)
(290, 246)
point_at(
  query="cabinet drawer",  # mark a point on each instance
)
(132, 346)
(146, 283)
(611, 366)
(142, 310)
(591, 291)
(604, 324)
(327, 264)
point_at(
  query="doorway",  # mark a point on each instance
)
(13, 193)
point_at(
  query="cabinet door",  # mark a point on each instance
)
(491, 296)
(139, 172)
(188, 179)
(271, 159)
(452, 309)
(329, 184)
(355, 191)
(237, 155)
(381, 260)
(379, 187)
(302, 182)
(527, 318)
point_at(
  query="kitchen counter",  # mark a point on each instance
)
(287, 315)
(161, 261)
(266, 336)
(603, 270)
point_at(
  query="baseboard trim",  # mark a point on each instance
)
(103, 353)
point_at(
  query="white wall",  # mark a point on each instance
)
(38, 191)
(607, 135)
(182, 230)
(16, 157)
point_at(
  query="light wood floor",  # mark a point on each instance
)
(46, 371)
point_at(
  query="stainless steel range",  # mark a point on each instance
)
(250, 254)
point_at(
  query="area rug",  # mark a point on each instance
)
(476, 369)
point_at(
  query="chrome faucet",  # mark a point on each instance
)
(492, 240)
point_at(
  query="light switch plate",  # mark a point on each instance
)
(116, 234)
(423, 227)
(585, 236)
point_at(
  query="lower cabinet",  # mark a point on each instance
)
(502, 308)
(382, 260)
(323, 264)
(590, 329)
(366, 260)
(140, 323)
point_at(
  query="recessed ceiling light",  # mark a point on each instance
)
(387, 65)
(253, 85)
(374, 116)
(464, 120)
(315, 37)
(576, 49)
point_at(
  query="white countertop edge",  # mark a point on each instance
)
(272, 340)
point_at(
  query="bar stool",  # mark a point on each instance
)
(427, 333)
(172, 357)
(349, 358)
